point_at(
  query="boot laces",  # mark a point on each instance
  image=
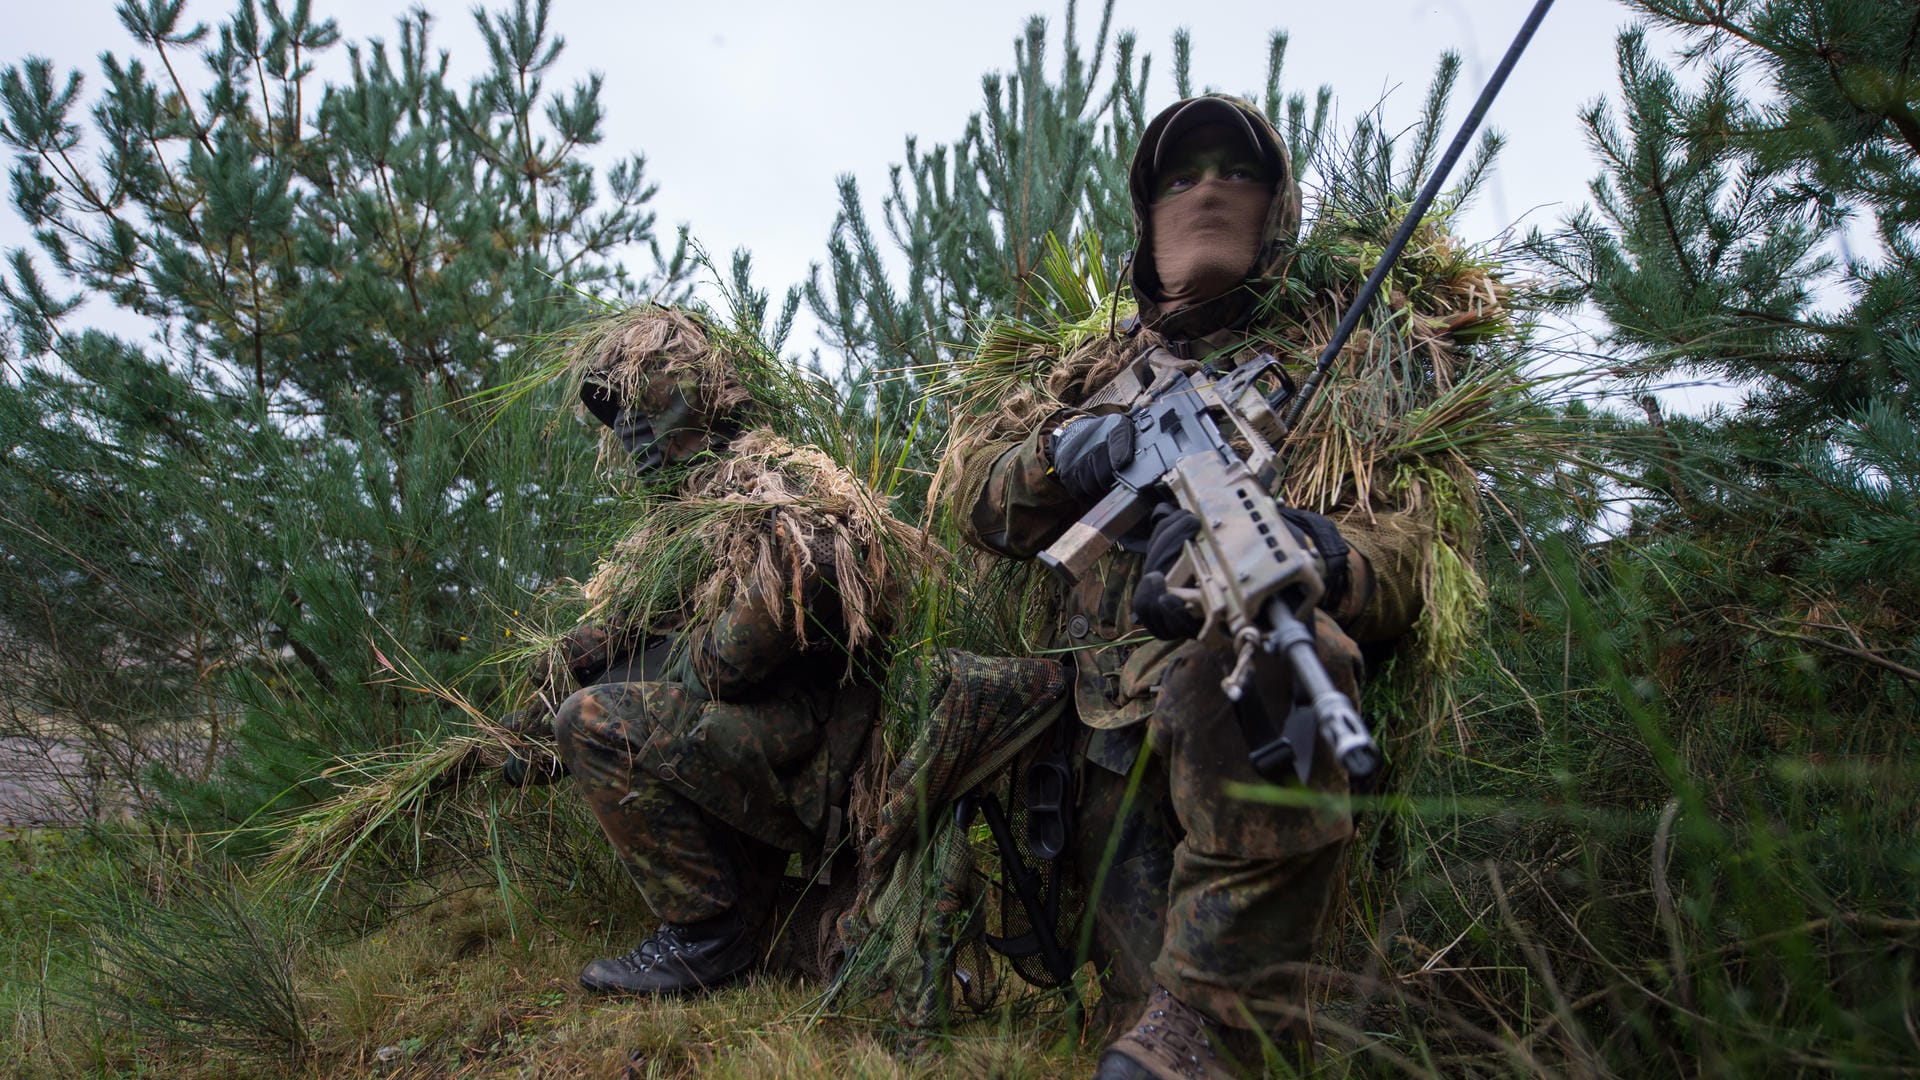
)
(664, 942)
(1176, 1034)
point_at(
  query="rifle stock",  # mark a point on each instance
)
(1098, 530)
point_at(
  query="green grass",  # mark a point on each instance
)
(451, 989)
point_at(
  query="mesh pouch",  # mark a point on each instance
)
(923, 908)
(1012, 930)
(803, 937)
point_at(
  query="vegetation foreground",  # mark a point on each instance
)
(448, 989)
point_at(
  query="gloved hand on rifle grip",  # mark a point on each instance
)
(1164, 615)
(1088, 450)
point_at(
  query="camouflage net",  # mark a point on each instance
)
(916, 907)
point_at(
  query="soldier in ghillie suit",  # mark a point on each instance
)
(728, 655)
(1212, 904)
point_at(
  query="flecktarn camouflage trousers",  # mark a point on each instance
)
(1250, 882)
(696, 795)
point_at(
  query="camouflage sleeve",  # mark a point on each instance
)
(1008, 500)
(593, 648)
(742, 646)
(1385, 596)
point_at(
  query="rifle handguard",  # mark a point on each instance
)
(1245, 555)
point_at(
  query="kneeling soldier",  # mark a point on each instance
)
(739, 621)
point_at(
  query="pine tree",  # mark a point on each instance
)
(239, 518)
(1738, 647)
(321, 241)
(1718, 246)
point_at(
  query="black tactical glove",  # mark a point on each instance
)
(1163, 614)
(1088, 450)
(539, 771)
(632, 427)
(1321, 537)
(531, 764)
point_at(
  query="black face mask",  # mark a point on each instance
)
(635, 431)
(645, 437)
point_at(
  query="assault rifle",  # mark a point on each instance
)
(1250, 580)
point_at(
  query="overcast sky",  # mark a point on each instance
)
(748, 111)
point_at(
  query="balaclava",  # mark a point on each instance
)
(1205, 237)
(1192, 296)
(657, 427)
(664, 390)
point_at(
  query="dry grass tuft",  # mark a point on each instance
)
(376, 791)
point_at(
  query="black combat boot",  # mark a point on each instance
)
(678, 959)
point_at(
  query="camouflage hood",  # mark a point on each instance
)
(1281, 231)
(662, 362)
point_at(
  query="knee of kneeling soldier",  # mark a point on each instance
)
(568, 723)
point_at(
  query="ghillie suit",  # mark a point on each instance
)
(729, 647)
(1390, 454)
(769, 566)
(760, 579)
(737, 506)
(763, 520)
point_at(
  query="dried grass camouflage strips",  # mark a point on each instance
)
(766, 518)
(630, 352)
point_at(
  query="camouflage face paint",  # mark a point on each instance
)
(1209, 152)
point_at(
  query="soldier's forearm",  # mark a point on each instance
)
(1016, 506)
(736, 651)
(1389, 549)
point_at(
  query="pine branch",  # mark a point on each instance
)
(1904, 122)
(1864, 655)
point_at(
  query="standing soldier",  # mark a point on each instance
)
(1215, 933)
(728, 669)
